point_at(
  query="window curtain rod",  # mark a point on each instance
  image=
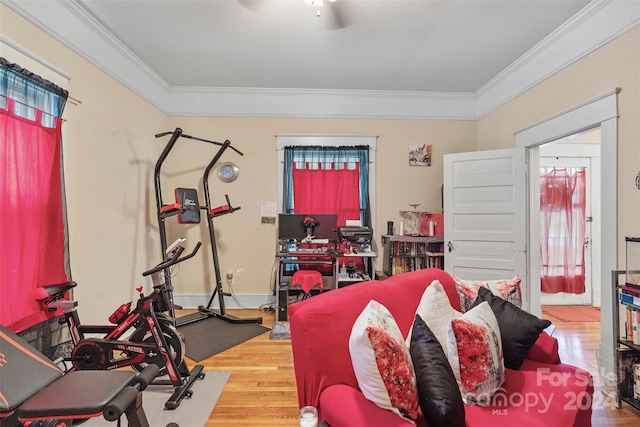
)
(31, 106)
(34, 78)
(73, 100)
(37, 80)
(320, 149)
(369, 162)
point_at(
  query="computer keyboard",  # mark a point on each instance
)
(304, 251)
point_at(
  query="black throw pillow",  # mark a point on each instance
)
(438, 393)
(519, 329)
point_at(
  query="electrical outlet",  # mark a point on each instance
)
(229, 278)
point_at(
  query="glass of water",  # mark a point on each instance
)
(308, 417)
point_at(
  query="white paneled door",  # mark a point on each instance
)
(485, 214)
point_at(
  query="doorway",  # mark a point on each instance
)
(601, 111)
(578, 152)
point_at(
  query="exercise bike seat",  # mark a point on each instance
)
(49, 293)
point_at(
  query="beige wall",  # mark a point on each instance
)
(613, 65)
(245, 246)
(110, 154)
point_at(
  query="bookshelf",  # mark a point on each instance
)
(627, 333)
(402, 254)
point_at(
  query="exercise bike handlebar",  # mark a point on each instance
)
(175, 259)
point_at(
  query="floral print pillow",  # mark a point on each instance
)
(507, 289)
(475, 354)
(382, 363)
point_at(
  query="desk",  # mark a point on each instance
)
(369, 263)
(329, 259)
(317, 257)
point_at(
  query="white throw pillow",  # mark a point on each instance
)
(382, 362)
(436, 311)
(475, 354)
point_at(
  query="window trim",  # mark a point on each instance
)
(287, 140)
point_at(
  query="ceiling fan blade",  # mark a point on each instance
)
(252, 5)
(339, 14)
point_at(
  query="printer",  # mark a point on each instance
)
(359, 235)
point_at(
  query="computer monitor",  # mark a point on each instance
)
(290, 226)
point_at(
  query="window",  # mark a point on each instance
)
(32, 251)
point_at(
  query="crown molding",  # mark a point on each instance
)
(594, 26)
(69, 23)
(255, 102)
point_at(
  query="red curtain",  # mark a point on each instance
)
(563, 222)
(327, 191)
(31, 225)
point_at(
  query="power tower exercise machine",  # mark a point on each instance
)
(187, 209)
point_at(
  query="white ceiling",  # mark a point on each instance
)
(399, 45)
(412, 59)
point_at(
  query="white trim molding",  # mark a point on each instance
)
(356, 104)
(68, 22)
(601, 111)
(597, 24)
(239, 300)
(285, 140)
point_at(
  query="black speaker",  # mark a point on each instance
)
(283, 302)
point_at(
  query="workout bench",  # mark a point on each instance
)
(35, 391)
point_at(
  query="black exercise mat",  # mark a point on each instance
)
(211, 336)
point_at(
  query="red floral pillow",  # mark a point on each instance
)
(475, 353)
(507, 289)
(382, 363)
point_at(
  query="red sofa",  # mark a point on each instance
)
(543, 392)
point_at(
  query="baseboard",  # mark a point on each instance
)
(244, 300)
(607, 375)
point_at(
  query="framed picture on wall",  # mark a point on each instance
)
(419, 155)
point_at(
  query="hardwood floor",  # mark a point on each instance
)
(262, 390)
(577, 343)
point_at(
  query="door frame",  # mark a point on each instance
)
(599, 111)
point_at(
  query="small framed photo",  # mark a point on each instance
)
(419, 155)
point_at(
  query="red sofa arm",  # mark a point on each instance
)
(545, 350)
(344, 406)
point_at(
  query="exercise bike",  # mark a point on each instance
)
(137, 337)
